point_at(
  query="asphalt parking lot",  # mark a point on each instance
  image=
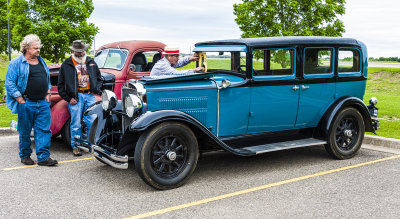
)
(301, 183)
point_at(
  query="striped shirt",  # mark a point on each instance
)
(163, 67)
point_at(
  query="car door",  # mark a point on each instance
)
(274, 95)
(318, 90)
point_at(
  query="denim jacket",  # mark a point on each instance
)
(17, 78)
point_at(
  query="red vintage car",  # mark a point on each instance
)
(118, 62)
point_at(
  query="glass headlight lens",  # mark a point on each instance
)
(132, 104)
(108, 100)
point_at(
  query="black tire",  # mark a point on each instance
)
(66, 132)
(154, 155)
(346, 134)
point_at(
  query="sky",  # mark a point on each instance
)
(182, 23)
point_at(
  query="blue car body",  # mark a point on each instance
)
(275, 93)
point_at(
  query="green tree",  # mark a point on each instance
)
(261, 18)
(56, 22)
(3, 26)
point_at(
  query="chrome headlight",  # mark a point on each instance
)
(108, 100)
(132, 104)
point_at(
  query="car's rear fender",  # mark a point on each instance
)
(341, 103)
(59, 116)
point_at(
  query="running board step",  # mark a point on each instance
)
(259, 149)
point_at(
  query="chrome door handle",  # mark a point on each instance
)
(295, 88)
(304, 87)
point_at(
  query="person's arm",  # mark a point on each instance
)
(99, 81)
(11, 82)
(61, 85)
(182, 62)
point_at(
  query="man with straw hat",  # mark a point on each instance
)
(78, 81)
(171, 61)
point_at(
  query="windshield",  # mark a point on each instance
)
(111, 58)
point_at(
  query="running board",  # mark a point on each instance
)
(259, 149)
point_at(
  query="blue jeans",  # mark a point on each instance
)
(34, 114)
(76, 111)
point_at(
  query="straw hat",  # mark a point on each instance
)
(171, 51)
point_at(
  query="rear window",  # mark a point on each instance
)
(349, 60)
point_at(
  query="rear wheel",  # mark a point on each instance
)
(346, 134)
(166, 156)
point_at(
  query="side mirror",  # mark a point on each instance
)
(132, 67)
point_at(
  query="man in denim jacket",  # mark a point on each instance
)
(28, 95)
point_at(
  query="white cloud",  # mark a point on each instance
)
(182, 23)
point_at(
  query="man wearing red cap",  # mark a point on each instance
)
(171, 61)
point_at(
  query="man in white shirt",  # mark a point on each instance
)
(171, 61)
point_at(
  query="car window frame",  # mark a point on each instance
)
(320, 75)
(350, 74)
(275, 77)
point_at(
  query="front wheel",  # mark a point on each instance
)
(346, 134)
(166, 156)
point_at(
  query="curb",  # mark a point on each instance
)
(382, 141)
(8, 131)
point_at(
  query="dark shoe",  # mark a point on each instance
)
(27, 161)
(77, 152)
(48, 162)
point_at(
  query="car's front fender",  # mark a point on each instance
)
(150, 119)
(104, 119)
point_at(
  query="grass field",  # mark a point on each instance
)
(382, 83)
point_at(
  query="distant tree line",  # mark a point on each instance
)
(385, 59)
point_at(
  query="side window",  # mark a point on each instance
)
(349, 60)
(273, 62)
(318, 61)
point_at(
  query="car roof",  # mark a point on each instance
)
(132, 45)
(282, 41)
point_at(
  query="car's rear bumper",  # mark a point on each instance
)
(120, 162)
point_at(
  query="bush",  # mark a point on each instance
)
(2, 92)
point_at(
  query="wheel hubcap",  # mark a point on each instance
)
(347, 133)
(169, 156)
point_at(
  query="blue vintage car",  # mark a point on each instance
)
(257, 95)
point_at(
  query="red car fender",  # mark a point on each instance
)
(59, 116)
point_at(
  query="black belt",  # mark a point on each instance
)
(30, 99)
(84, 91)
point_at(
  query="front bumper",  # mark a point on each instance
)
(120, 162)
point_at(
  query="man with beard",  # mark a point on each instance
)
(28, 95)
(79, 79)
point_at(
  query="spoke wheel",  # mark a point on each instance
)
(166, 155)
(346, 134)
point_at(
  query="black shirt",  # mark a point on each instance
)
(36, 88)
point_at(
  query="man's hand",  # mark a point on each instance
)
(72, 101)
(48, 97)
(20, 99)
(199, 69)
(194, 57)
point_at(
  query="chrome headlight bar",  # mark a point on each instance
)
(108, 100)
(133, 104)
